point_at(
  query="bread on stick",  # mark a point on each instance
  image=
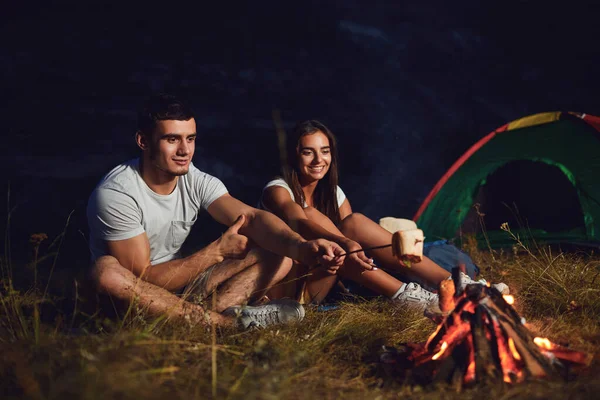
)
(408, 245)
(392, 224)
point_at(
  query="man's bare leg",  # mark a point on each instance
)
(112, 279)
(244, 281)
(370, 234)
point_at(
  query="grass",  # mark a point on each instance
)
(54, 348)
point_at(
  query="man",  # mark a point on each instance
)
(142, 211)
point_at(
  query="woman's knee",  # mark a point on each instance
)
(352, 223)
(284, 268)
(279, 266)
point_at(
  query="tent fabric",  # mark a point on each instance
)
(567, 141)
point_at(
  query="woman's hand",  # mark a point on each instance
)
(320, 252)
(358, 259)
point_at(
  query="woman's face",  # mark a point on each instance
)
(314, 157)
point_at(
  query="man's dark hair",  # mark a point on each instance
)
(162, 107)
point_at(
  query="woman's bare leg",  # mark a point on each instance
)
(319, 283)
(378, 281)
(303, 284)
(370, 234)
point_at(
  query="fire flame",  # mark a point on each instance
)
(544, 343)
(439, 327)
(513, 349)
(439, 353)
(470, 374)
(490, 320)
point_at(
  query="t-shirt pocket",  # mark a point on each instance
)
(179, 232)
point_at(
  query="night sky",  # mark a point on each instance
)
(406, 88)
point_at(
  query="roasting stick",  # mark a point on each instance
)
(357, 251)
(366, 249)
(406, 245)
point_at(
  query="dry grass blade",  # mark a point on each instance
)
(155, 371)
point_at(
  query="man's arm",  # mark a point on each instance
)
(271, 233)
(134, 254)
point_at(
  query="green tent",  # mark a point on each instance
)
(540, 174)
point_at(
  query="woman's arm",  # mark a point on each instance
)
(345, 209)
(310, 223)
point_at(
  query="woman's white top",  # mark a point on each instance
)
(280, 182)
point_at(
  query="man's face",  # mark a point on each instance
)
(172, 146)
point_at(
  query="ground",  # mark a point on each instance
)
(51, 350)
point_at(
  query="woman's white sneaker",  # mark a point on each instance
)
(415, 296)
(466, 280)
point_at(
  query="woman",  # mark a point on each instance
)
(309, 199)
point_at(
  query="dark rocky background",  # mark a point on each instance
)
(406, 86)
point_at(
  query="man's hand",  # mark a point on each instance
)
(359, 259)
(232, 244)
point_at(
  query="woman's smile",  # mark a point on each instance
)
(314, 156)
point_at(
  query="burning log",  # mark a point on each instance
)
(563, 353)
(483, 339)
(487, 359)
(453, 367)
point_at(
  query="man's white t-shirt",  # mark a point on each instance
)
(122, 206)
(341, 196)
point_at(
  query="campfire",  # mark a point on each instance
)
(480, 338)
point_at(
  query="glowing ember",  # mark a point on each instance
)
(544, 343)
(433, 334)
(439, 353)
(510, 299)
(513, 349)
(470, 374)
(507, 352)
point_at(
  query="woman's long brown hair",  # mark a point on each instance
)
(325, 195)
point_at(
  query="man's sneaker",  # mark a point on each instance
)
(273, 313)
(466, 280)
(415, 296)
